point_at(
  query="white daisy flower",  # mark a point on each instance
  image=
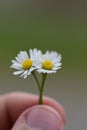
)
(49, 62)
(24, 63)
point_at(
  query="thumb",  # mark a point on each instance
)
(39, 117)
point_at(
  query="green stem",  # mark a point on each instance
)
(37, 81)
(41, 88)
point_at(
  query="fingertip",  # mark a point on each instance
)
(40, 117)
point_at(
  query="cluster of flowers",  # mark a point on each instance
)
(25, 63)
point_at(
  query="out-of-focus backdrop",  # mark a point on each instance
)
(48, 25)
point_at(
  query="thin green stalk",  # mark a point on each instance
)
(37, 81)
(41, 88)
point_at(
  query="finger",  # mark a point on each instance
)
(39, 117)
(12, 105)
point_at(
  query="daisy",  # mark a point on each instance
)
(49, 62)
(24, 63)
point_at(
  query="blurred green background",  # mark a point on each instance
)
(48, 25)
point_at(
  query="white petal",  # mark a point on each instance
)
(32, 68)
(46, 71)
(18, 60)
(25, 74)
(34, 54)
(16, 66)
(57, 65)
(17, 72)
(24, 55)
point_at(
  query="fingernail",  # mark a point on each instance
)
(40, 117)
(44, 118)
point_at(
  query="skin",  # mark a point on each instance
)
(13, 104)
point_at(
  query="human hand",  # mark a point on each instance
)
(49, 116)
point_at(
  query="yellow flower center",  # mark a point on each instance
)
(48, 65)
(27, 64)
